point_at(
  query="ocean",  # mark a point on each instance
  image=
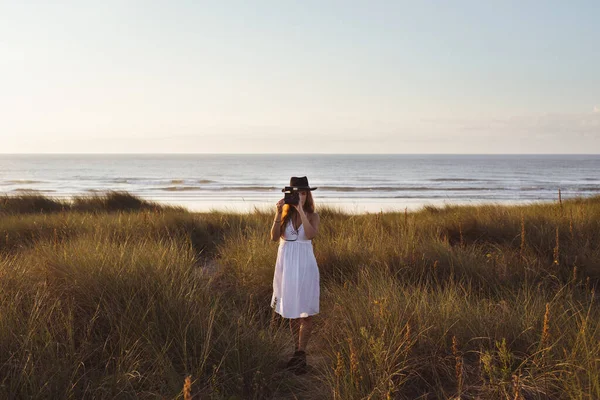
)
(355, 183)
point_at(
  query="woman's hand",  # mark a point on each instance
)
(275, 229)
(301, 200)
(279, 206)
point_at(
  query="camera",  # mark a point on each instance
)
(290, 195)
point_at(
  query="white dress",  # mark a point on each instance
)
(296, 278)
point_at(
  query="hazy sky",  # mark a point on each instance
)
(300, 76)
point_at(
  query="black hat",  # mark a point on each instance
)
(300, 183)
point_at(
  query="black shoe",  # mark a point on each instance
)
(301, 367)
(296, 360)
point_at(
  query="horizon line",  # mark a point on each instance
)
(322, 154)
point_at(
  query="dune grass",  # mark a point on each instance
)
(116, 297)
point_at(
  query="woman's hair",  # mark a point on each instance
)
(290, 211)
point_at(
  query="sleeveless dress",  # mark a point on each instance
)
(296, 279)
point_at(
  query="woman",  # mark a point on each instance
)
(296, 278)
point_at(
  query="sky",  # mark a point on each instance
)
(300, 77)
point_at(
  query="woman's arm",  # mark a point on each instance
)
(310, 223)
(276, 227)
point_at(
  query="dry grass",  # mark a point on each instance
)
(116, 297)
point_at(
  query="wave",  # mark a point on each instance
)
(453, 189)
(20, 182)
(454, 180)
(362, 189)
(28, 190)
(158, 181)
(401, 188)
(181, 181)
(180, 188)
(250, 188)
(350, 189)
(219, 189)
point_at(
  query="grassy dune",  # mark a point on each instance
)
(116, 297)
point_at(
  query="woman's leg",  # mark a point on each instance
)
(301, 329)
(295, 328)
(304, 333)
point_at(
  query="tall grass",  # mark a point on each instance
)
(107, 202)
(118, 298)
